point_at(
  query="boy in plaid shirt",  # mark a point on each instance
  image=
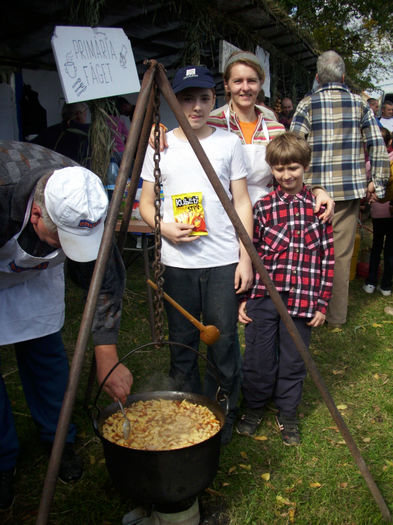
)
(297, 251)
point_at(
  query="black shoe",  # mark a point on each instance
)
(71, 465)
(288, 426)
(249, 422)
(7, 493)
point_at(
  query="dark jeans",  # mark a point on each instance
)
(206, 292)
(43, 369)
(272, 365)
(382, 232)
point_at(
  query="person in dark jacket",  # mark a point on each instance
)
(50, 209)
(71, 136)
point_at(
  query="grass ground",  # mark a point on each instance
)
(259, 480)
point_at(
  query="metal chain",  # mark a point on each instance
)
(158, 267)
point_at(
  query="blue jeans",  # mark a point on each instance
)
(43, 369)
(272, 365)
(208, 293)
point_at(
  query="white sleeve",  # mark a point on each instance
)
(238, 163)
(147, 172)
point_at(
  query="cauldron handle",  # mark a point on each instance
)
(221, 396)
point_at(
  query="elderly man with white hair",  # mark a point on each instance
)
(338, 124)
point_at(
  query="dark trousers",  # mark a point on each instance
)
(382, 239)
(272, 366)
(43, 369)
(208, 293)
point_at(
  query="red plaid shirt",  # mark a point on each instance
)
(296, 249)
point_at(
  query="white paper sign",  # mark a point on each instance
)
(224, 52)
(94, 62)
(264, 59)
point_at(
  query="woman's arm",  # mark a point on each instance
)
(323, 198)
(244, 276)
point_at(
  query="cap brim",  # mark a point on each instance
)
(81, 248)
(193, 83)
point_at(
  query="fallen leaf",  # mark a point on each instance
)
(243, 454)
(338, 372)
(245, 467)
(315, 485)
(376, 376)
(232, 469)
(266, 476)
(213, 492)
(341, 442)
(366, 440)
(291, 514)
(283, 501)
(344, 485)
(260, 438)
(225, 484)
(376, 325)
(342, 407)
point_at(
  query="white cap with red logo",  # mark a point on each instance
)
(77, 203)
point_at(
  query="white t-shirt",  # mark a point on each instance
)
(181, 172)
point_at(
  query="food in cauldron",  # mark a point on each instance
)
(162, 424)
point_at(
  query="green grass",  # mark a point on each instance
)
(316, 483)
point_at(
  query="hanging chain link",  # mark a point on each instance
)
(158, 267)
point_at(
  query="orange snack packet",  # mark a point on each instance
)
(188, 209)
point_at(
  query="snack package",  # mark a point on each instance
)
(188, 209)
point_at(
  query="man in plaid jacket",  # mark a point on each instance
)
(338, 125)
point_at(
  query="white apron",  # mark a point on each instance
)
(31, 291)
(259, 174)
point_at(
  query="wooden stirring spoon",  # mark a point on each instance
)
(208, 333)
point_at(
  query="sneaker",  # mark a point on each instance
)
(249, 422)
(71, 465)
(7, 493)
(369, 288)
(288, 426)
(385, 293)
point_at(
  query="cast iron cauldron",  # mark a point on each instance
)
(163, 477)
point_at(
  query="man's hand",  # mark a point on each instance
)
(244, 276)
(317, 320)
(177, 232)
(163, 141)
(118, 385)
(371, 196)
(242, 314)
(322, 197)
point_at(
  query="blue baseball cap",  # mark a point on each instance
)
(192, 76)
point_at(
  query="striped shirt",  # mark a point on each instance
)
(338, 124)
(218, 119)
(296, 249)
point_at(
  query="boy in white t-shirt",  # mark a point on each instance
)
(205, 265)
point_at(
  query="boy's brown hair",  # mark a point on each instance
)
(288, 148)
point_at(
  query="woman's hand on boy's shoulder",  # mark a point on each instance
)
(163, 139)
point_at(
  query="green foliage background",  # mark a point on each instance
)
(360, 31)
